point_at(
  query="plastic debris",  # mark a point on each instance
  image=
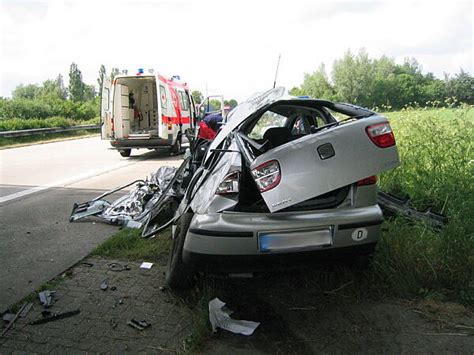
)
(220, 318)
(118, 267)
(138, 324)
(46, 298)
(146, 265)
(104, 285)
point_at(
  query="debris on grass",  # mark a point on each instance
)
(219, 317)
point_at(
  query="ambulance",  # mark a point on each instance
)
(147, 111)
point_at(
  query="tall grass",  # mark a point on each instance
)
(437, 169)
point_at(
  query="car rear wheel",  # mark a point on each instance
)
(125, 152)
(178, 274)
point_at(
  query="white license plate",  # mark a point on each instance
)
(295, 241)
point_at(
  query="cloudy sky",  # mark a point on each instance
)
(228, 47)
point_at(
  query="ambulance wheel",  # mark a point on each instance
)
(179, 276)
(176, 148)
(125, 152)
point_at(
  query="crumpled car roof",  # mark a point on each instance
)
(259, 100)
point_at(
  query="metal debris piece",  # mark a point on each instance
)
(395, 205)
(87, 209)
(27, 309)
(14, 319)
(142, 206)
(46, 298)
(87, 264)
(55, 316)
(104, 285)
(138, 324)
(8, 317)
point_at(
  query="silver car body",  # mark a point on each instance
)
(219, 228)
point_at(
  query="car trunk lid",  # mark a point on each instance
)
(322, 162)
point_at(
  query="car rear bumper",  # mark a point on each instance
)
(140, 143)
(238, 238)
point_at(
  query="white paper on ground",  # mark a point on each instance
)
(146, 265)
(220, 317)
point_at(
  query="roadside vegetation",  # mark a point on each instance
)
(6, 143)
(437, 171)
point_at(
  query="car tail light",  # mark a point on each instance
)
(381, 134)
(112, 124)
(371, 180)
(267, 175)
(230, 184)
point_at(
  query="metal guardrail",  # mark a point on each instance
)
(31, 132)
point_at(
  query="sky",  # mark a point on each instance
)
(225, 47)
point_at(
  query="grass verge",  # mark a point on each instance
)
(16, 142)
(129, 244)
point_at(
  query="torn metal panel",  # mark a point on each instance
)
(134, 208)
(396, 205)
(205, 200)
(87, 209)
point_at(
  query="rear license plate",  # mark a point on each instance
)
(295, 241)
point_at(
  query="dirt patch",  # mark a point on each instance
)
(299, 320)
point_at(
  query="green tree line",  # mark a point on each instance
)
(381, 83)
(78, 101)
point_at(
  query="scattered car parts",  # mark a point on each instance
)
(55, 316)
(394, 205)
(46, 298)
(142, 206)
(138, 324)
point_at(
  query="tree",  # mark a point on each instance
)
(76, 86)
(232, 103)
(315, 85)
(89, 92)
(461, 87)
(197, 96)
(30, 91)
(100, 79)
(113, 73)
(54, 89)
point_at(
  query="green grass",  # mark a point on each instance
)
(13, 124)
(128, 244)
(437, 169)
(44, 138)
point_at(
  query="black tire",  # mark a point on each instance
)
(176, 148)
(125, 152)
(179, 275)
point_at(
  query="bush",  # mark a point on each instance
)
(48, 107)
(19, 123)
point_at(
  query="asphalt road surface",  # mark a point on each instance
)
(38, 186)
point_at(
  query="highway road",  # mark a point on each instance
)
(38, 187)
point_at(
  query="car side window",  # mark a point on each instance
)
(268, 120)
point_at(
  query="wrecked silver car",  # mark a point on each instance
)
(287, 180)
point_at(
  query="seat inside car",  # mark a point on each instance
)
(277, 136)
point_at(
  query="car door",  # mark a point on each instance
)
(106, 109)
(324, 161)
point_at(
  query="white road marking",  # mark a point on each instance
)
(62, 183)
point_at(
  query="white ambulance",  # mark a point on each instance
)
(146, 111)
